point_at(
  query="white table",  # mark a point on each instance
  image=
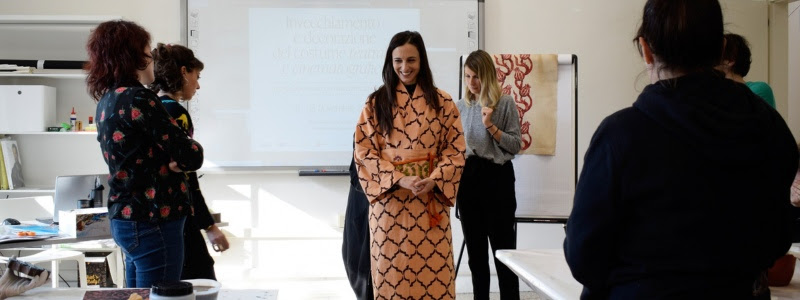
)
(546, 270)
(49, 241)
(116, 266)
(42, 293)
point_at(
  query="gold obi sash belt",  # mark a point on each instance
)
(420, 166)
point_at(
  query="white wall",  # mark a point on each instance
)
(160, 18)
(601, 34)
(41, 162)
(793, 25)
(281, 224)
(778, 56)
(610, 69)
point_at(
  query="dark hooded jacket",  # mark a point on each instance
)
(683, 195)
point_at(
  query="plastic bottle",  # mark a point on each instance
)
(72, 119)
(173, 290)
(91, 126)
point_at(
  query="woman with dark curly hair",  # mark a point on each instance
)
(177, 72)
(146, 153)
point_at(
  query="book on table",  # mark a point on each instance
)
(117, 294)
(13, 163)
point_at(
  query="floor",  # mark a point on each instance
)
(496, 296)
(333, 289)
(299, 269)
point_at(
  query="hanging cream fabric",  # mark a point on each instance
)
(532, 80)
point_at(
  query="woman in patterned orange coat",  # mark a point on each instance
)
(410, 155)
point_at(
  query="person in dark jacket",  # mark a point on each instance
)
(177, 72)
(355, 242)
(685, 194)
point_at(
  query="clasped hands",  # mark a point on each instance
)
(416, 185)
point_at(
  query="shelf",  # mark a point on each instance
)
(50, 133)
(44, 75)
(55, 19)
(29, 190)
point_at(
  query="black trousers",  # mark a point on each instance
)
(487, 203)
(197, 262)
(355, 243)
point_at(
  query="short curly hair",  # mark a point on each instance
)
(116, 53)
(168, 60)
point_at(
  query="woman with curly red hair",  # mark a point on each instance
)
(146, 153)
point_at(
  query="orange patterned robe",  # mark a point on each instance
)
(412, 258)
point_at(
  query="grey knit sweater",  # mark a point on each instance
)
(480, 142)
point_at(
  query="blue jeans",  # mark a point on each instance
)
(153, 251)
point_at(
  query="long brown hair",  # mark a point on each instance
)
(116, 53)
(385, 96)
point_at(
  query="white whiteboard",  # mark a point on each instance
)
(545, 185)
(285, 81)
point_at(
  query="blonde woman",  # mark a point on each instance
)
(486, 196)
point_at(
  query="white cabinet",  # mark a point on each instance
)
(27, 108)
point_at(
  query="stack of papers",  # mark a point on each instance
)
(16, 69)
(11, 233)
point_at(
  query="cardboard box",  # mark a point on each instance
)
(84, 222)
(27, 108)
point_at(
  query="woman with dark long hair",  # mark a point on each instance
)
(146, 153)
(685, 194)
(409, 154)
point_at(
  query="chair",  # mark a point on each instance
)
(29, 209)
(55, 256)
